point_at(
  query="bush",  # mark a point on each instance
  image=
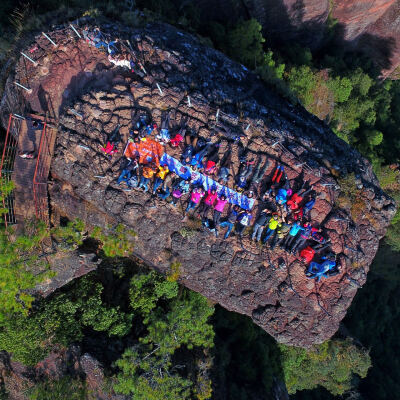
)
(21, 268)
(331, 365)
(63, 389)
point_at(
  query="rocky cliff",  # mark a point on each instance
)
(89, 97)
(371, 26)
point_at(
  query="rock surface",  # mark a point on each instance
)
(240, 275)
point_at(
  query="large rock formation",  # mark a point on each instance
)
(238, 274)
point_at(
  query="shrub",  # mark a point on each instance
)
(331, 365)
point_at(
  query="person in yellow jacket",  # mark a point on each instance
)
(274, 223)
(148, 173)
(160, 176)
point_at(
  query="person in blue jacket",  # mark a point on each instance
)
(327, 269)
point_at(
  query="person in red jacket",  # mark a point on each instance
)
(308, 253)
(294, 202)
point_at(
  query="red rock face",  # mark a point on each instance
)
(374, 27)
(357, 16)
(239, 274)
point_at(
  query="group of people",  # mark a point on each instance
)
(285, 221)
(118, 53)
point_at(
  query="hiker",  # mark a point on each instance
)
(230, 221)
(210, 166)
(281, 232)
(282, 195)
(219, 209)
(327, 269)
(112, 142)
(121, 60)
(297, 198)
(258, 175)
(272, 226)
(308, 207)
(178, 138)
(244, 174)
(304, 235)
(160, 176)
(180, 190)
(259, 225)
(207, 203)
(164, 135)
(94, 38)
(28, 154)
(166, 187)
(191, 140)
(148, 173)
(202, 149)
(132, 150)
(243, 219)
(295, 228)
(308, 253)
(196, 177)
(128, 167)
(113, 47)
(297, 215)
(225, 167)
(195, 197)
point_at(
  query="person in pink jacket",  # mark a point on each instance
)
(219, 209)
(195, 197)
(207, 203)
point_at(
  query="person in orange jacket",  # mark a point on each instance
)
(147, 174)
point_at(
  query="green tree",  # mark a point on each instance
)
(21, 267)
(185, 323)
(147, 288)
(147, 377)
(303, 81)
(61, 320)
(331, 365)
(341, 88)
(245, 43)
(62, 389)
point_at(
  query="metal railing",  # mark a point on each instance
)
(7, 165)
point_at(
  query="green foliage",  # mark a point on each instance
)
(147, 288)
(341, 88)
(115, 242)
(185, 323)
(303, 82)
(6, 188)
(174, 272)
(21, 268)
(147, 378)
(245, 43)
(70, 235)
(61, 321)
(63, 389)
(331, 364)
(147, 370)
